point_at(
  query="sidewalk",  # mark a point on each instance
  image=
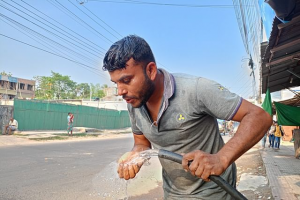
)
(32, 137)
(283, 171)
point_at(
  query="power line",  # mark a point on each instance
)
(18, 24)
(48, 52)
(102, 21)
(167, 4)
(78, 39)
(45, 28)
(65, 26)
(14, 26)
(93, 19)
(83, 21)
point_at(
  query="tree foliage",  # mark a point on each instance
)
(3, 73)
(58, 86)
(97, 91)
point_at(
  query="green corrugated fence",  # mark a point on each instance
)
(43, 115)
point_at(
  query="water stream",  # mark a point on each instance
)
(108, 185)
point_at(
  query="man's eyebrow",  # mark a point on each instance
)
(124, 77)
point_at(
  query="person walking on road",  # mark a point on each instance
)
(178, 113)
(70, 119)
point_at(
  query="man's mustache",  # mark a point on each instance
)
(129, 97)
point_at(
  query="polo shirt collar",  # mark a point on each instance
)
(169, 84)
(169, 88)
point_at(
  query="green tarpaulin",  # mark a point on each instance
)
(267, 104)
(287, 115)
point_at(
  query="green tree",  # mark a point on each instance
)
(97, 91)
(5, 74)
(83, 90)
(56, 86)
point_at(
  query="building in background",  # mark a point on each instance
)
(255, 20)
(12, 87)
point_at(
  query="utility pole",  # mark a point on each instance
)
(251, 65)
(90, 92)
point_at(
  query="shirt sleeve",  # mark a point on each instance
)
(134, 127)
(215, 100)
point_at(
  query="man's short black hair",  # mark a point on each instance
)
(131, 46)
(69, 113)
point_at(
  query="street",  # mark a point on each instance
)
(86, 169)
(56, 170)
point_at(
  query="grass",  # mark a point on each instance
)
(79, 135)
(18, 134)
(49, 138)
(64, 136)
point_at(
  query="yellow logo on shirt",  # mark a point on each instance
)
(221, 88)
(181, 117)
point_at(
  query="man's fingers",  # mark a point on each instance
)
(136, 168)
(199, 171)
(193, 167)
(120, 170)
(205, 175)
(131, 171)
(187, 160)
(126, 175)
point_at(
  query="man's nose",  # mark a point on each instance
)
(121, 91)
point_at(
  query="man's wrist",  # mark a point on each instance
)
(224, 160)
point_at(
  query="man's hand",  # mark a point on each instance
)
(129, 165)
(203, 164)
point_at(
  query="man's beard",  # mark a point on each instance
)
(146, 93)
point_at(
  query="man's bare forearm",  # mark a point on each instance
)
(251, 129)
(141, 143)
(138, 148)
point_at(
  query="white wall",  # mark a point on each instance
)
(115, 105)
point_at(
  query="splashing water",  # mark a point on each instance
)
(143, 157)
(108, 185)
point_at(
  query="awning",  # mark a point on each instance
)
(292, 102)
(281, 58)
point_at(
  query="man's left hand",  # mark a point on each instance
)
(203, 164)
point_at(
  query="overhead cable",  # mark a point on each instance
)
(93, 19)
(65, 27)
(48, 51)
(84, 22)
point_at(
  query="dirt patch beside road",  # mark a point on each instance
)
(251, 175)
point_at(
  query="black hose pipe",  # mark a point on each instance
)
(217, 179)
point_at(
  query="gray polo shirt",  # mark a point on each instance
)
(187, 121)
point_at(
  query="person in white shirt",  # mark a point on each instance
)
(12, 126)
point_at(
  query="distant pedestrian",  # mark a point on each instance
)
(224, 125)
(70, 123)
(263, 140)
(271, 135)
(278, 133)
(11, 126)
(230, 128)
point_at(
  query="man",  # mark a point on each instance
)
(178, 113)
(70, 119)
(12, 126)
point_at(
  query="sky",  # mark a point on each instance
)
(201, 38)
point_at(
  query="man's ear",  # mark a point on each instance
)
(151, 70)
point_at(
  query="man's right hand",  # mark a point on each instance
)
(129, 165)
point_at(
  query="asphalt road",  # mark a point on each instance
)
(62, 170)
